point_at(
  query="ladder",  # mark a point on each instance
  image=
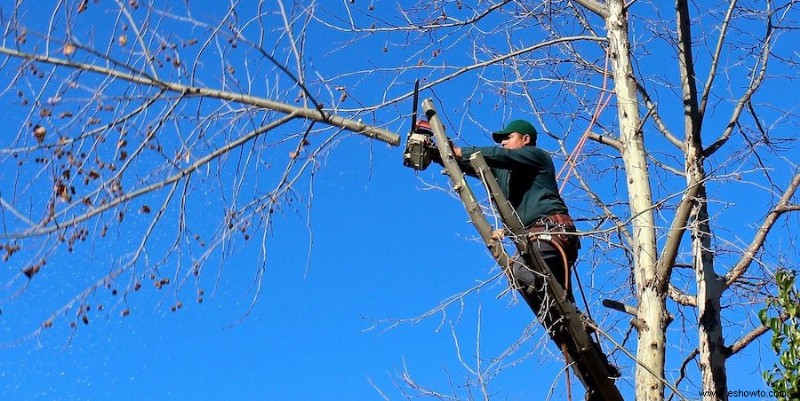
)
(546, 298)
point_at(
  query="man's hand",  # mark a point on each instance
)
(457, 151)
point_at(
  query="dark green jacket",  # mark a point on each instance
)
(526, 176)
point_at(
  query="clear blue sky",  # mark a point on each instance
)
(383, 246)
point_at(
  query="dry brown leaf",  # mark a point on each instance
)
(69, 49)
(39, 133)
(64, 193)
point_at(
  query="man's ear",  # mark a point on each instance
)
(526, 139)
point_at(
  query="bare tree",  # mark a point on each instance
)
(131, 118)
(126, 109)
(668, 178)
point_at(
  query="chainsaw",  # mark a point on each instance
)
(419, 143)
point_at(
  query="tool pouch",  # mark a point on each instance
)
(557, 229)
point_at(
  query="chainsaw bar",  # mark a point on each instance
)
(414, 107)
(417, 155)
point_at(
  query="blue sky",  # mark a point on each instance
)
(379, 245)
(307, 336)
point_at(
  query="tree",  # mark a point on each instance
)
(686, 187)
(119, 122)
(785, 328)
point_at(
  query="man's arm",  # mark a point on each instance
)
(498, 157)
(465, 166)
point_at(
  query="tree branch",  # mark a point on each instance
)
(483, 64)
(37, 231)
(747, 339)
(605, 140)
(141, 78)
(746, 97)
(594, 6)
(682, 370)
(749, 255)
(712, 73)
(681, 297)
(659, 122)
(670, 251)
(411, 27)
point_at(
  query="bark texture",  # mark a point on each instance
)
(709, 287)
(652, 297)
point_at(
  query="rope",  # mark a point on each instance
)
(571, 162)
(566, 371)
(568, 268)
(567, 289)
(586, 304)
(602, 102)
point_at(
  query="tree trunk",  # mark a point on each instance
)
(709, 286)
(709, 290)
(652, 309)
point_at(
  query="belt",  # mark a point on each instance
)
(554, 220)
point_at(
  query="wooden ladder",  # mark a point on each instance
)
(546, 297)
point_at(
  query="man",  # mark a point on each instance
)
(527, 178)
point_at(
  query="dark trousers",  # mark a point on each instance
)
(554, 259)
(532, 285)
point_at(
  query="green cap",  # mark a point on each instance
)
(520, 126)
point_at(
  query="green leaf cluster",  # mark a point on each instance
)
(782, 316)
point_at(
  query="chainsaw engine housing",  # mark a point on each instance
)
(418, 152)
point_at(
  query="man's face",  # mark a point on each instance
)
(515, 140)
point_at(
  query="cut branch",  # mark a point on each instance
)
(605, 140)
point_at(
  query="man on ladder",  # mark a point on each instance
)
(527, 178)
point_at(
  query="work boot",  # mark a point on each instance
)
(593, 395)
(613, 371)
